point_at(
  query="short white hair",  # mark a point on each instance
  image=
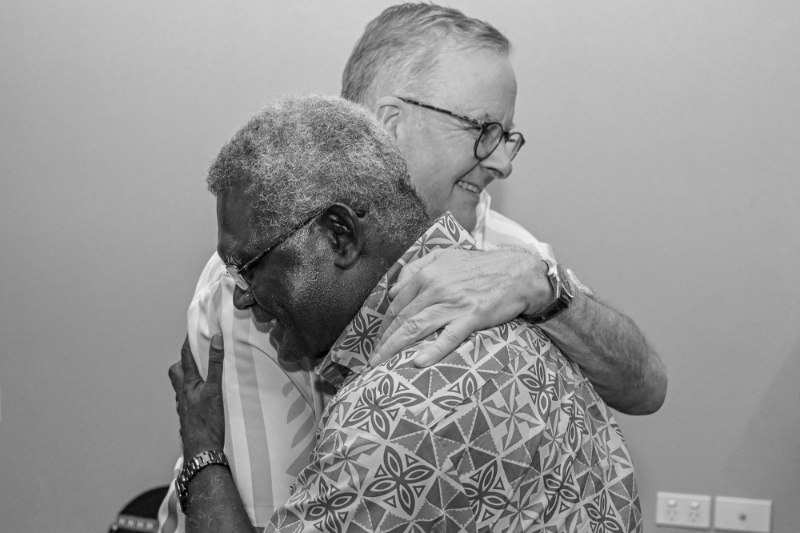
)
(400, 48)
(305, 153)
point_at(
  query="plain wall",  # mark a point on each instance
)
(662, 164)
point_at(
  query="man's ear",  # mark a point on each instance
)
(345, 233)
(389, 110)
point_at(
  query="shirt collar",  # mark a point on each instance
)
(479, 233)
(352, 350)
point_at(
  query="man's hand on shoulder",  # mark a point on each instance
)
(462, 292)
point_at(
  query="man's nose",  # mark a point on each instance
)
(499, 161)
(243, 299)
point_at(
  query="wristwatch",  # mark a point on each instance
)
(563, 293)
(192, 467)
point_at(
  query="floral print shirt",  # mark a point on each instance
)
(504, 434)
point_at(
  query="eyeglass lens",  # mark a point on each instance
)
(237, 278)
(490, 140)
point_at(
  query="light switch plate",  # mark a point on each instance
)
(684, 510)
(739, 514)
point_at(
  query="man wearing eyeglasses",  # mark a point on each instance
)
(502, 434)
(443, 85)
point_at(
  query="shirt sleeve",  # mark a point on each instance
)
(170, 517)
(502, 230)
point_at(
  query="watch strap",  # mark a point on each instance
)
(191, 468)
(563, 293)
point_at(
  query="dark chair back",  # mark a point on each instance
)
(141, 513)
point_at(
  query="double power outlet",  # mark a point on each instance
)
(690, 510)
(730, 514)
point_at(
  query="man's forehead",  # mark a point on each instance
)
(228, 249)
(463, 105)
(486, 117)
(235, 220)
(477, 83)
(232, 242)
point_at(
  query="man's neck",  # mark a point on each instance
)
(352, 289)
(354, 346)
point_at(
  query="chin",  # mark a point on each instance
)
(466, 217)
(295, 353)
(293, 359)
(288, 346)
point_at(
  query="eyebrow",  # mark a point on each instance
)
(230, 258)
(233, 253)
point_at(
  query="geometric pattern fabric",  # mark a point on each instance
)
(271, 411)
(504, 434)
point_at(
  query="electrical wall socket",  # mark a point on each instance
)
(739, 514)
(684, 510)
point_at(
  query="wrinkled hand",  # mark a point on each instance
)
(462, 292)
(199, 402)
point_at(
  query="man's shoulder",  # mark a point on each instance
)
(211, 274)
(490, 355)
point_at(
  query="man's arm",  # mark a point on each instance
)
(613, 354)
(215, 504)
(214, 501)
(466, 291)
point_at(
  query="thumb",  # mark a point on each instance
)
(216, 355)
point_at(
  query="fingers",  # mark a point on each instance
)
(409, 327)
(396, 316)
(190, 372)
(216, 356)
(409, 272)
(396, 308)
(448, 340)
(176, 376)
(446, 343)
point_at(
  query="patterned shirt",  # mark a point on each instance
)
(271, 411)
(504, 434)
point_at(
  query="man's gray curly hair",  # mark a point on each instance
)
(305, 153)
(399, 50)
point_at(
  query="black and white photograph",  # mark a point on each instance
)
(400, 266)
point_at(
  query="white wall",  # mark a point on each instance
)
(662, 165)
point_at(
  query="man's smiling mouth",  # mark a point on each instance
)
(469, 187)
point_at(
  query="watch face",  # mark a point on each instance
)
(552, 267)
(566, 282)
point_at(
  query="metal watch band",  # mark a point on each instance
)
(563, 293)
(191, 468)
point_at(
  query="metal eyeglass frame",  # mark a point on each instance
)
(506, 136)
(236, 272)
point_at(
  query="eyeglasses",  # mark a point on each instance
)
(236, 272)
(490, 136)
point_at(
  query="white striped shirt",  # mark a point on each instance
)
(271, 412)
